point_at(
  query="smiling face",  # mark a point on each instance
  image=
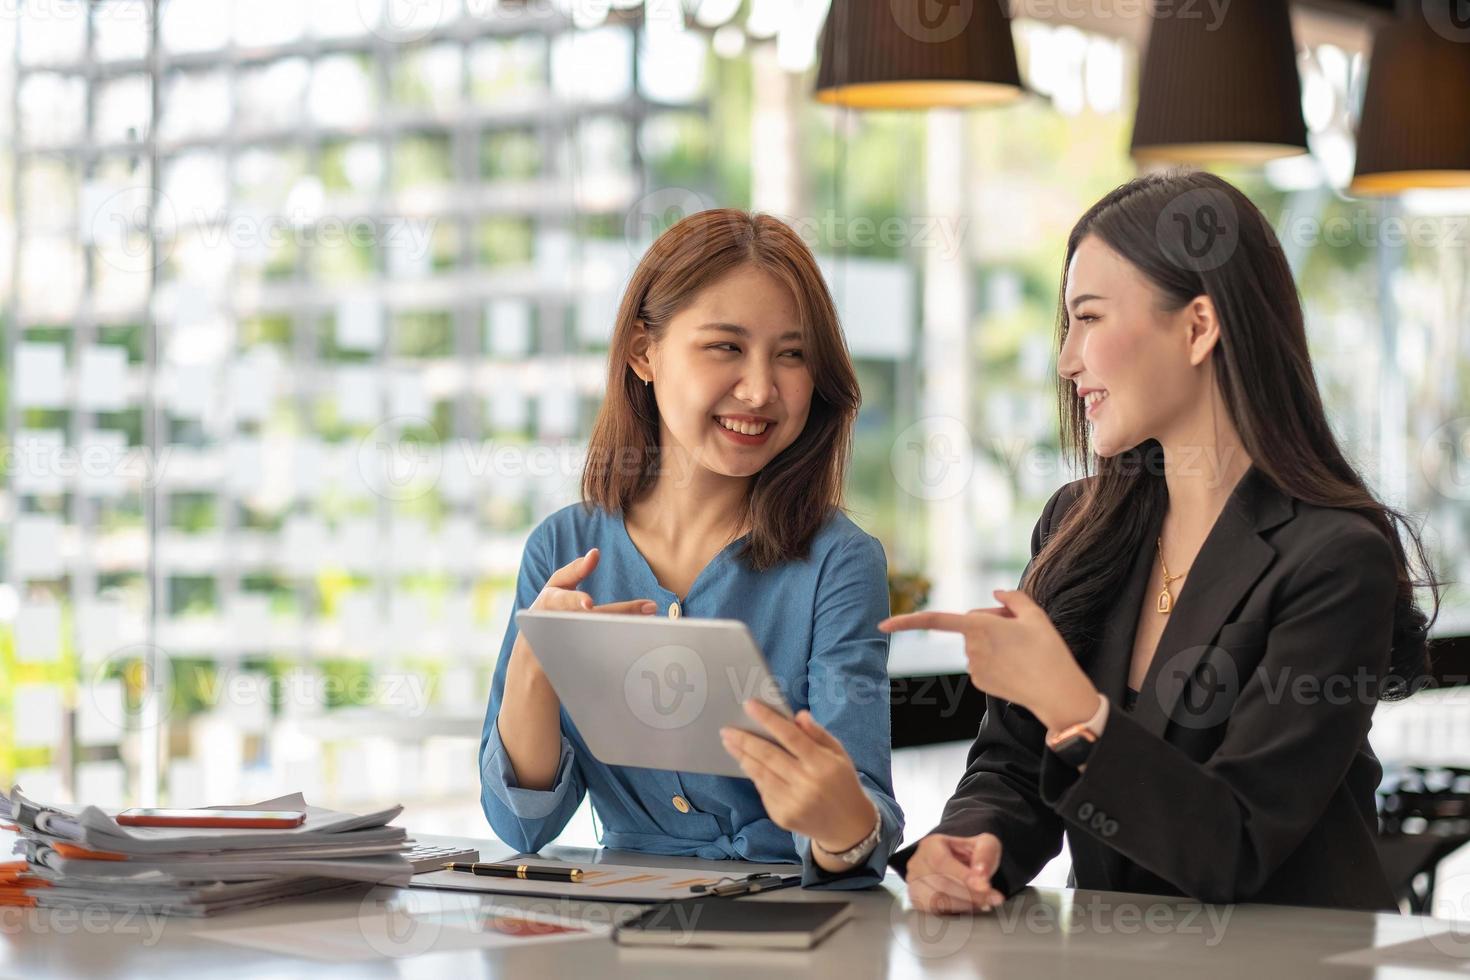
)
(1138, 367)
(730, 375)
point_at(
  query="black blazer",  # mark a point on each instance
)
(1244, 772)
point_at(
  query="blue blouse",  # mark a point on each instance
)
(815, 621)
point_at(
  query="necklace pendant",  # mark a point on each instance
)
(1166, 602)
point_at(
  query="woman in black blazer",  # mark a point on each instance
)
(1185, 682)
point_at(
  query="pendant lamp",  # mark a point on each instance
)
(1219, 88)
(918, 54)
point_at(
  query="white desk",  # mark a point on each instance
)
(1041, 933)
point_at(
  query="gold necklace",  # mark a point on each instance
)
(1166, 598)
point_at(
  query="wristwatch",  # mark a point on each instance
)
(1073, 744)
(857, 853)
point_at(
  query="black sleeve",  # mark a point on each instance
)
(1000, 790)
(1284, 753)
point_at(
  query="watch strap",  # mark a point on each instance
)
(1073, 744)
(858, 852)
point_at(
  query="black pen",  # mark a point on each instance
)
(529, 872)
(761, 881)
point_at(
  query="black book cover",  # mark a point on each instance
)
(725, 921)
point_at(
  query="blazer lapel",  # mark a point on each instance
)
(1229, 562)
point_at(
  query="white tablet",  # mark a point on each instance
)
(653, 692)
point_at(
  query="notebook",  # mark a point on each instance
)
(730, 922)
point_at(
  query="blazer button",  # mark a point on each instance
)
(1084, 812)
(1109, 828)
(674, 611)
(681, 804)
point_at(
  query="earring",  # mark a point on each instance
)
(647, 382)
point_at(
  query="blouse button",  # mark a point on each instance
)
(674, 611)
(681, 804)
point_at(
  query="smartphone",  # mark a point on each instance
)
(261, 819)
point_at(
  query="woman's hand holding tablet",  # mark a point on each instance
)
(805, 778)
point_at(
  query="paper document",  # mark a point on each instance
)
(1447, 951)
(398, 934)
(80, 856)
(91, 827)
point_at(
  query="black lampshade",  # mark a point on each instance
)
(1220, 88)
(912, 54)
(1415, 127)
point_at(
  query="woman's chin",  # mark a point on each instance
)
(740, 469)
(1106, 447)
(736, 465)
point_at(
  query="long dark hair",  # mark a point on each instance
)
(795, 493)
(1192, 234)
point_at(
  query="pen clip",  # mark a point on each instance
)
(735, 885)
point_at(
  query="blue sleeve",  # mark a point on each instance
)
(526, 819)
(848, 685)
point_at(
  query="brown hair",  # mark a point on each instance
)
(1264, 372)
(795, 493)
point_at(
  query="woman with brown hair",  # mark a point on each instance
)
(1184, 683)
(713, 488)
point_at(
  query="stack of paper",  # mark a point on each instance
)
(82, 856)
